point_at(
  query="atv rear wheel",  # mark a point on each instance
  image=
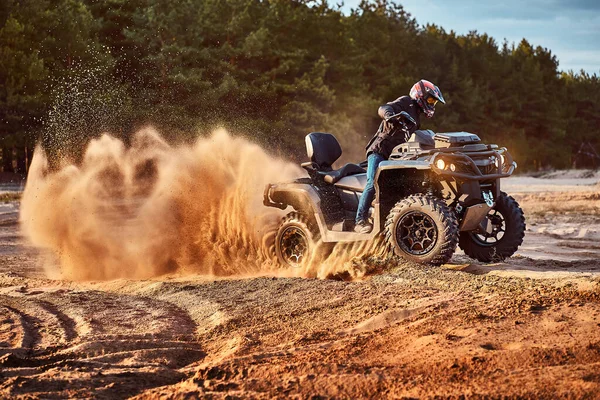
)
(297, 241)
(421, 228)
(507, 232)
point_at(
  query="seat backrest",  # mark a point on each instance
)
(323, 149)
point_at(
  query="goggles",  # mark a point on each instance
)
(432, 101)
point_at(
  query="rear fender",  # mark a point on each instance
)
(302, 197)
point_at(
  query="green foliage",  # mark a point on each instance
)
(273, 70)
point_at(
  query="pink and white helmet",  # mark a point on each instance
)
(426, 94)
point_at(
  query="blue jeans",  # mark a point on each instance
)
(362, 214)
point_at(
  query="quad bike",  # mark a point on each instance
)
(436, 191)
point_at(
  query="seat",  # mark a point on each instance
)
(355, 183)
(347, 170)
(323, 149)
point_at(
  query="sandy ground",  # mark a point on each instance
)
(527, 328)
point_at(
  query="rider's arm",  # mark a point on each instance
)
(386, 111)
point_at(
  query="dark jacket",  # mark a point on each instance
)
(388, 136)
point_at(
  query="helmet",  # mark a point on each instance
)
(426, 94)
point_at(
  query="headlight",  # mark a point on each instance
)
(497, 161)
(502, 159)
(452, 167)
(440, 164)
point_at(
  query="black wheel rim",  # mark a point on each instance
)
(294, 245)
(416, 233)
(498, 222)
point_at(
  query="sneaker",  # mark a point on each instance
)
(363, 227)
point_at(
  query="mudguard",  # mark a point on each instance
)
(300, 196)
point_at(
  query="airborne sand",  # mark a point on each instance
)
(528, 327)
(153, 209)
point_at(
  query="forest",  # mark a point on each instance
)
(272, 71)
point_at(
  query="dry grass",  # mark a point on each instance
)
(8, 197)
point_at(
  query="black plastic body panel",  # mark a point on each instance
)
(349, 199)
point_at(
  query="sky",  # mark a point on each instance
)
(569, 28)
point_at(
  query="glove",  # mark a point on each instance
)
(398, 127)
(394, 121)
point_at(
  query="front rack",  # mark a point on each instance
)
(503, 169)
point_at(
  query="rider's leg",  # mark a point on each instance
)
(362, 214)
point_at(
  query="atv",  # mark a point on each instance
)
(436, 191)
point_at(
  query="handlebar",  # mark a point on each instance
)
(403, 116)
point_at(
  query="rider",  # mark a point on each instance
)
(423, 97)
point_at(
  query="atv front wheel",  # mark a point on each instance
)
(507, 232)
(297, 241)
(421, 228)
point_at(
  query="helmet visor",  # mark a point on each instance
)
(431, 100)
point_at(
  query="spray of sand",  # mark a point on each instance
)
(152, 209)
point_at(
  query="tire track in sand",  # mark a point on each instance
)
(77, 342)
